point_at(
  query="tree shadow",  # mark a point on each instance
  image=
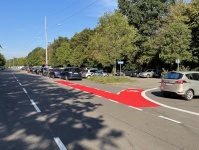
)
(65, 113)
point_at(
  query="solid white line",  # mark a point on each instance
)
(166, 106)
(37, 108)
(113, 101)
(135, 108)
(169, 119)
(25, 90)
(60, 144)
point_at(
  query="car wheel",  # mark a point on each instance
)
(66, 78)
(148, 76)
(88, 76)
(189, 95)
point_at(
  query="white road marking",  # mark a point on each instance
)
(37, 108)
(135, 108)
(169, 119)
(60, 144)
(113, 101)
(20, 84)
(25, 90)
(166, 106)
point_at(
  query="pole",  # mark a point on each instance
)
(46, 43)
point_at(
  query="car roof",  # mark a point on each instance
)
(184, 72)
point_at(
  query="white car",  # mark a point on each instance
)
(87, 73)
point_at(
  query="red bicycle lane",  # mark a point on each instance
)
(130, 96)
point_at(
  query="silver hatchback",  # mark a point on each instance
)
(183, 83)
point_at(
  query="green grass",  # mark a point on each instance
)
(112, 79)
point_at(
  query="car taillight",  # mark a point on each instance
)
(180, 82)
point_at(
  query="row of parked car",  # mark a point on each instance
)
(65, 73)
(149, 73)
(76, 72)
(181, 83)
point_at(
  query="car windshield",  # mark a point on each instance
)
(173, 75)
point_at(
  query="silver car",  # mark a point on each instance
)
(183, 83)
(147, 74)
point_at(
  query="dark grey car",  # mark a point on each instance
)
(71, 73)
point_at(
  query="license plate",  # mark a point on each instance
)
(75, 73)
(168, 83)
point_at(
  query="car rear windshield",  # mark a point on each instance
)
(173, 75)
(75, 69)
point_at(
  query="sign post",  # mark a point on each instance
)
(120, 63)
(178, 62)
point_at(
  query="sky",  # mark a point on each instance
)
(22, 22)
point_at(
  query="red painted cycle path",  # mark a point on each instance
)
(130, 97)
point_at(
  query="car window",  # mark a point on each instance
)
(195, 76)
(173, 75)
(93, 71)
(75, 70)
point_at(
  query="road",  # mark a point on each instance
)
(39, 113)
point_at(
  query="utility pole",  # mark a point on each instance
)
(46, 43)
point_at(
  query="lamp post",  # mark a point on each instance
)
(46, 43)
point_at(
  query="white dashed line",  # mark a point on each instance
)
(136, 108)
(37, 108)
(25, 90)
(169, 119)
(60, 144)
(20, 84)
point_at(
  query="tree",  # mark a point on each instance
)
(193, 14)
(146, 16)
(63, 54)
(77, 56)
(2, 60)
(52, 50)
(113, 40)
(36, 57)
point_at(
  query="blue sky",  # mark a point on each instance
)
(22, 22)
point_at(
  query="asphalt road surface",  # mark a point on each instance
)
(40, 113)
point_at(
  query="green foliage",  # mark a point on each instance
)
(113, 40)
(76, 57)
(63, 54)
(2, 60)
(111, 79)
(36, 57)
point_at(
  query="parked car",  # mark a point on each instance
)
(135, 73)
(128, 72)
(100, 73)
(29, 70)
(55, 72)
(47, 71)
(119, 73)
(87, 73)
(149, 73)
(185, 84)
(157, 73)
(71, 73)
